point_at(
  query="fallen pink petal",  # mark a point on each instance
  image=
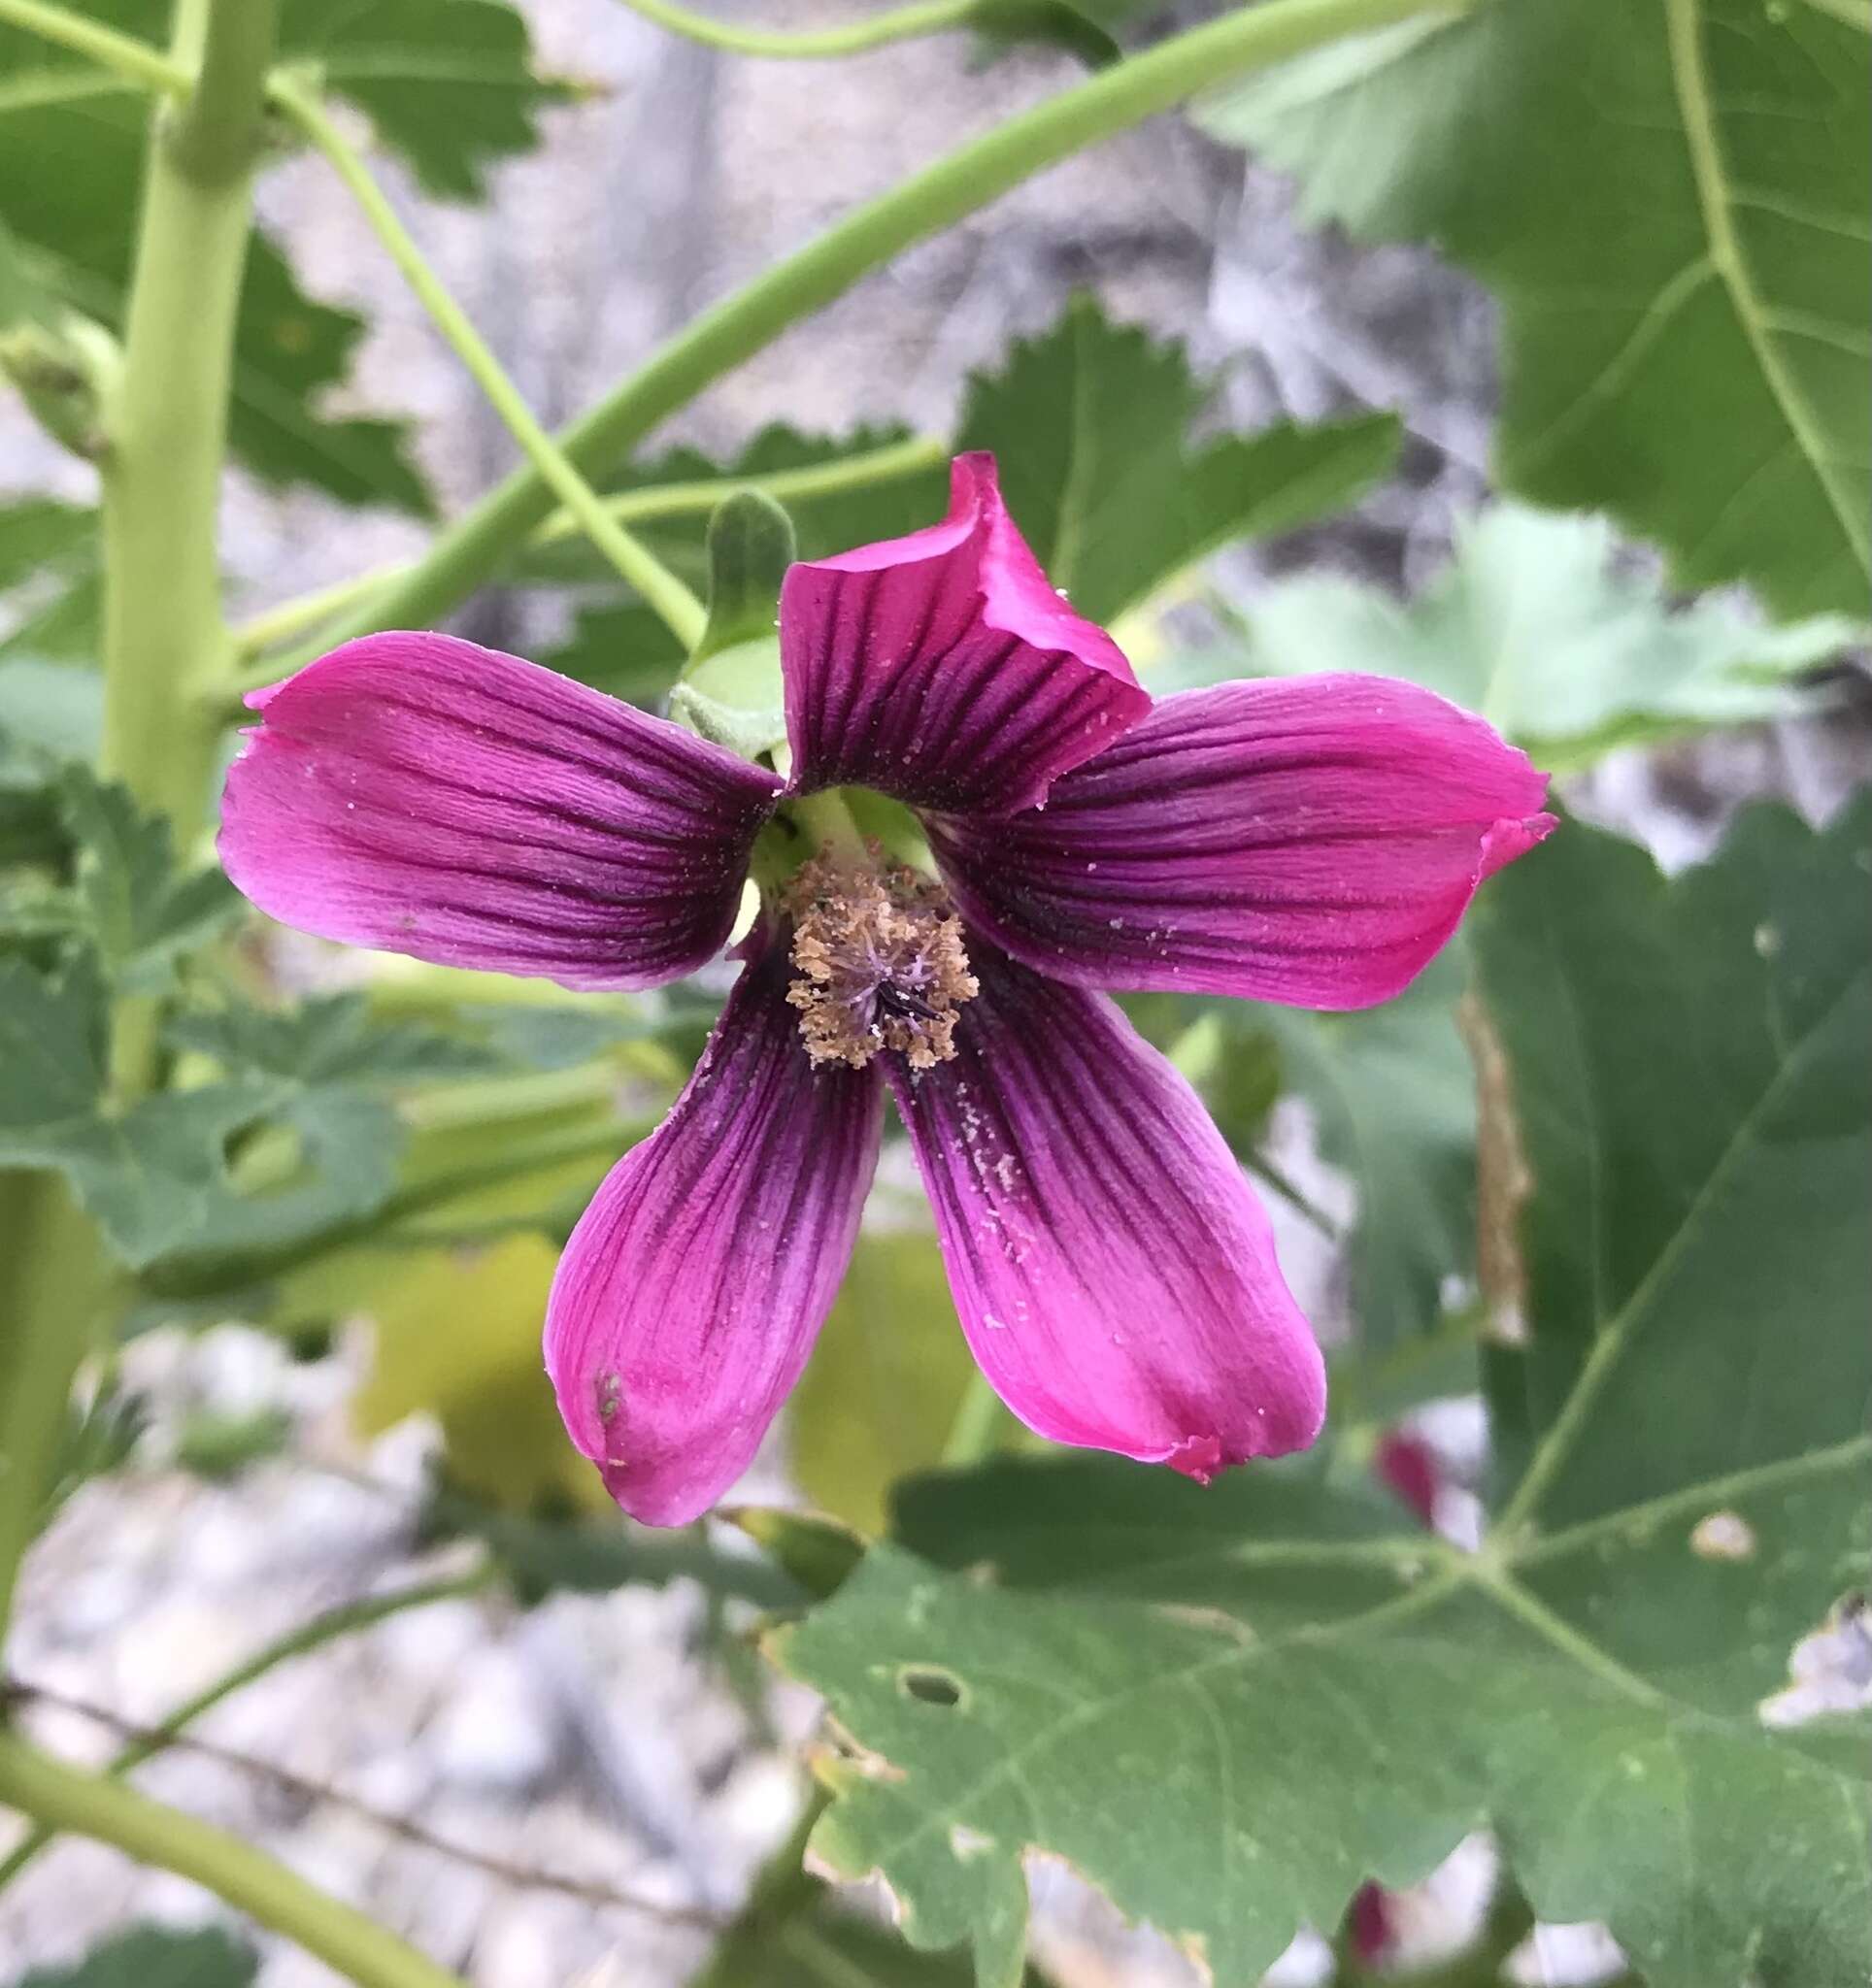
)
(1314, 840)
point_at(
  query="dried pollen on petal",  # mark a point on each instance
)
(880, 962)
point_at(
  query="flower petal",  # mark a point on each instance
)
(425, 795)
(1310, 839)
(1115, 1274)
(943, 668)
(693, 1286)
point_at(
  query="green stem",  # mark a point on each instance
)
(89, 1804)
(164, 640)
(134, 60)
(346, 1619)
(911, 458)
(974, 1435)
(899, 25)
(969, 178)
(659, 587)
(52, 1274)
(830, 827)
(860, 472)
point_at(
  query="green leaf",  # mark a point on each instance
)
(150, 1175)
(1393, 1099)
(322, 1138)
(48, 554)
(156, 1957)
(1533, 626)
(140, 911)
(1693, 359)
(1090, 425)
(39, 536)
(100, 1434)
(1229, 1707)
(828, 1947)
(218, 1447)
(886, 1379)
(623, 648)
(447, 84)
(333, 1040)
(72, 141)
(1686, 1065)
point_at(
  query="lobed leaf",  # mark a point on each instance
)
(1533, 626)
(1229, 1707)
(1090, 427)
(1671, 202)
(156, 1957)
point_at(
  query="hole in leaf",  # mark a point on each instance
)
(931, 1684)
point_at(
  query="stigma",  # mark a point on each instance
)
(880, 964)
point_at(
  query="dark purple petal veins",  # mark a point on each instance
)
(1115, 1274)
(427, 796)
(1309, 840)
(942, 669)
(693, 1288)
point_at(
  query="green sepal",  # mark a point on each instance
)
(751, 546)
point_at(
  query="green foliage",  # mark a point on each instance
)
(1393, 1099)
(148, 1174)
(141, 913)
(219, 1448)
(1229, 1707)
(295, 1135)
(885, 1380)
(447, 83)
(1534, 626)
(156, 1957)
(72, 143)
(49, 585)
(1666, 201)
(101, 1431)
(1090, 425)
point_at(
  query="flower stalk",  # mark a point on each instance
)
(660, 588)
(94, 1806)
(966, 180)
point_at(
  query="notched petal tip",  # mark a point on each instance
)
(1508, 839)
(1199, 1457)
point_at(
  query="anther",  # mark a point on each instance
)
(882, 965)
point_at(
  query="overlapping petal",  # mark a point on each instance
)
(425, 795)
(694, 1284)
(1114, 1273)
(943, 668)
(1313, 841)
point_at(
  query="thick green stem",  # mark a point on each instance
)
(94, 1806)
(164, 641)
(50, 1282)
(980, 1421)
(899, 25)
(659, 587)
(969, 178)
(346, 1619)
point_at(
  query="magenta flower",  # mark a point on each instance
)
(1311, 840)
